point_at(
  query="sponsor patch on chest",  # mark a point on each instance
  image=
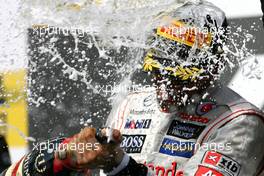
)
(221, 161)
(165, 170)
(133, 143)
(137, 124)
(184, 130)
(177, 148)
(194, 118)
(142, 111)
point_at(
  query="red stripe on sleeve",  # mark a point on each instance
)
(14, 172)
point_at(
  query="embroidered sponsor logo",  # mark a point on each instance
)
(133, 143)
(148, 101)
(160, 170)
(194, 118)
(177, 148)
(182, 33)
(138, 124)
(142, 112)
(205, 107)
(40, 163)
(184, 130)
(205, 171)
(221, 161)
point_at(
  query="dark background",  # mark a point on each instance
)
(65, 103)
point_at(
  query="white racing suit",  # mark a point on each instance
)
(218, 135)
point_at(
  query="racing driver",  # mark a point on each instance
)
(187, 124)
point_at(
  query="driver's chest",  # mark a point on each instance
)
(162, 140)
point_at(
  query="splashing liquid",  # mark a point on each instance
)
(111, 25)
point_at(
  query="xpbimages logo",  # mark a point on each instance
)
(42, 30)
(51, 146)
(115, 88)
(186, 149)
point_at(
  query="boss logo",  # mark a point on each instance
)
(221, 161)
(133, 143)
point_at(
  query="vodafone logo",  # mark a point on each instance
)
(164, 171)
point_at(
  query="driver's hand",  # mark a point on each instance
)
(84, 151)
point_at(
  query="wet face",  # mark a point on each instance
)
(173, 92)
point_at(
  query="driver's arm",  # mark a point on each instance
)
(40, 161)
